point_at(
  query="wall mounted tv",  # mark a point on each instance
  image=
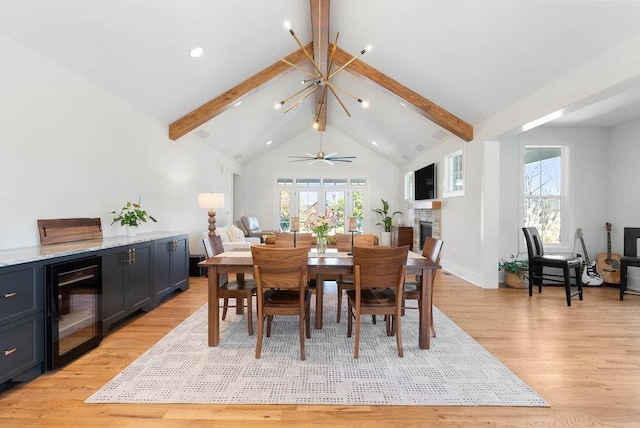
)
(425, 182)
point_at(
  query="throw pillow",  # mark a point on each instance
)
(223, 233)
(235, 234)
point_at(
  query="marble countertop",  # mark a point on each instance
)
(16, 256)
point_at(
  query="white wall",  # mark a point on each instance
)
(622, 187)
(70, 149)
(261, 196)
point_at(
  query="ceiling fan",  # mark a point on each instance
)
(322, 156)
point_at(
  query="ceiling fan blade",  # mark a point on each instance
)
(309, 154)
(300, 160)
(302, 157)
(312, 162)
(330, 154)
(327, 161)
(339, 157)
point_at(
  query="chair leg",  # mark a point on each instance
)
(387, 320)
(357, 338)
(269, 319)
(225, 306)
(249, 316)
(260, 332)
(567, 284)
(339, 315)
(302, 321)
(350, 320)
(579, 282)
(398, 334)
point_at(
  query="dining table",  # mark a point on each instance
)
(331, 263)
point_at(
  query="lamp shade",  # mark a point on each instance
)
(211, 200)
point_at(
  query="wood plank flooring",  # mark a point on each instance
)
(583, 360)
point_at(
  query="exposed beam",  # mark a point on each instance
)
(426, 108)
(320, 33)
(222, 102)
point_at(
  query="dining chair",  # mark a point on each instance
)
(285, 240)
(241, 289)
(378, 279)
(345, 281)
(538, 260)
(282, 278)
(411, 290)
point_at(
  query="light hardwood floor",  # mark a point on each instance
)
(583, 360)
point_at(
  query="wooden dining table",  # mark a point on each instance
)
(331, 263)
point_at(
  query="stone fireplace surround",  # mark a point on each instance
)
(431, 212)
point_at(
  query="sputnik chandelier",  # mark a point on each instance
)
(320, 79)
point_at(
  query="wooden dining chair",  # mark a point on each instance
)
(378, 279)
(282, 278)
(241, 289)
(285, 240)
(345, 281)
(411, 290)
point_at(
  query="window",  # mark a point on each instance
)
(345, 197)
(546, 205)
(408, 186)
(453, 175)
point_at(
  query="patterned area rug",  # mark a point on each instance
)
(181, 368)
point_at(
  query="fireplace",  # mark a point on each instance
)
(426, 231)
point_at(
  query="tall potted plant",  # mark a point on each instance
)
(386, 222)
(130, 216)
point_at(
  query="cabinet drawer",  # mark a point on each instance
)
(21, 292)
(21, 346)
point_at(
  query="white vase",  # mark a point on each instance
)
(385, 238)
(131, 231)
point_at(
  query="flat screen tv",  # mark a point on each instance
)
(425, 183)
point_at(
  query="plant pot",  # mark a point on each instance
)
(385, 238)
(514, 280)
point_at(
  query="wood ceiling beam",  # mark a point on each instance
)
(426, 108)
(222, 102)
(320, 33)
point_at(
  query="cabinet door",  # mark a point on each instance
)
(141, 276)
(162, 269)
(115, 296)
(180, 263)
(21, 291)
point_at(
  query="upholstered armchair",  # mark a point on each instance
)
(233, 238)
(250, 226)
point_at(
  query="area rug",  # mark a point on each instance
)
(181, 368)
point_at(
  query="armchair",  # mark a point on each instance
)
(250, 226)
(233, 238)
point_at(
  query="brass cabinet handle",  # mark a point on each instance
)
(8, 295)
(9, 351)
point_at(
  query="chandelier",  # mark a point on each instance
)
(320, 79)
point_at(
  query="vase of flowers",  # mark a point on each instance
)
(320, 224)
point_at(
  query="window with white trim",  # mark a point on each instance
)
(545, 203)
(454, 174)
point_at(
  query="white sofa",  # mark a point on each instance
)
(232, 238)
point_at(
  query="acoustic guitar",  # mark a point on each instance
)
(608, 263)
(590, 275)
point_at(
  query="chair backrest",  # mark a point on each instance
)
(212, 246)
(285, 240)
(379, 266)
(282, 268)
(343, 241)
(534, 243)
(432, 248)
(631, 235)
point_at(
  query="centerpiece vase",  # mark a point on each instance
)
(321, 244)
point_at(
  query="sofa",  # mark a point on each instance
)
(233, 238)
(251, 228)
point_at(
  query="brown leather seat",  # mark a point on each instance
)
(379, 276)
(282, 278)
(411, 290)
(242, 289)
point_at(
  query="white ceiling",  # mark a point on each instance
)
(473, 58)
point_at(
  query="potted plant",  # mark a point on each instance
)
(514, 271)
(386, 222)
(130, 216)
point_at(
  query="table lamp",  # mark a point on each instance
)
(211, 201)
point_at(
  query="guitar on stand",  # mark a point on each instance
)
(609, 263)
(590, 275)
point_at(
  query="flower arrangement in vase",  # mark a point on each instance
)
(320, 224)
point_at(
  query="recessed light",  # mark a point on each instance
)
(237, 104)
(196, 52)
(269, 142)
(374, 143)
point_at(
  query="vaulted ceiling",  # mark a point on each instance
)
(466, 59)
